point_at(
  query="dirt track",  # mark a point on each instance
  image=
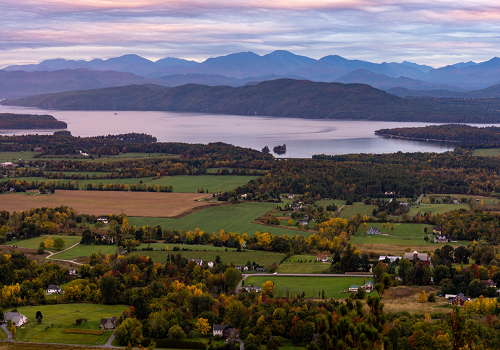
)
(150, 204)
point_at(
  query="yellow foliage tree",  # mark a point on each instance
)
(427, 318)
(422, 298)
(48, 242)
(290, 222)
(268, 288)
(202, 326)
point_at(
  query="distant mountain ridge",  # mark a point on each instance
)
(248, 66)
(281, 98)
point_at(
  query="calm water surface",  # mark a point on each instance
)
(303, 137)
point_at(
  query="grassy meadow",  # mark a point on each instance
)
(233, 218)
(34, 243)
(57, 318)
(208, 253)
(212, 183)
(333, 286)
(302, 264)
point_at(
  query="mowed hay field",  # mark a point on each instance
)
(333, 286)
(57, 318)
(152, 204)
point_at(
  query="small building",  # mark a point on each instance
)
(290, 196)
(391, 258)
(103, 219)
(373, 231)
(244, 196)
(424, 257)
(210, 264)
(218, 329)
(389, 192)
(369, 286)
(252, 288)
(17, 318)
(53, 289)
(322, 257)
(442, 239)
(354, 288)
(241, 268)
(198, 262)
(108, 323)
(436, 230)
(459, 300)
(260, 269)
(38, 149)
(489, 283)
(72, 272)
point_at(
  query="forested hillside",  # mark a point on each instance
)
(281, 98)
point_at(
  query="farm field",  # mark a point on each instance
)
(435, 208)
(331, 285)
(83, 250)
(34, 243)
(402, 234)
(302, 264)
(399, 249)
(37, 346)
(15, 156)
(130, 181)
(231, 255)
(489, 152)
(405, 298)
(57, 318)
(233, 218)
(212, 183)
(357, 207)
(109, 202)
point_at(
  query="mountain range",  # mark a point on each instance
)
(281, 98)
(404, 79)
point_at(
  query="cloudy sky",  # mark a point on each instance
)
(434, 32)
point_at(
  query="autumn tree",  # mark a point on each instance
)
(48, 242)
(59, 243)
(202, 326)
(422, 298)
(268, 288)
(129, 332)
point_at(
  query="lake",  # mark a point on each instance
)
(303, 137)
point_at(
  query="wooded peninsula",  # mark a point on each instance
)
(30, 121)
(449, 132)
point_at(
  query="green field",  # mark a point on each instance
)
(435, 208)
(181, 183)
(331, 285)
(212, 183)
(302, 264)
(83, 250)
(402, 234)
(490, 152)
(130, 181)
(233, 218)
(357, 208)
(10, 156)
(57, 318)
(34, 243)
(231, 255)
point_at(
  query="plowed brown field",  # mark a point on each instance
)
(150, 204)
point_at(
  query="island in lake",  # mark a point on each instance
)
(30, 121)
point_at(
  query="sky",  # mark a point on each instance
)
(433, 32)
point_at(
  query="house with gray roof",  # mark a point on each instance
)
(17, 318)
(108, 323)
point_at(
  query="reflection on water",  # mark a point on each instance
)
(303, 137)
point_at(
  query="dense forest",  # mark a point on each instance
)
(281, 98)
(30, 121)
(448, 132)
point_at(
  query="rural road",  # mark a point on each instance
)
(419, 199)
(49, 257)
(9, 334)
(246, 275)
(108, 344)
